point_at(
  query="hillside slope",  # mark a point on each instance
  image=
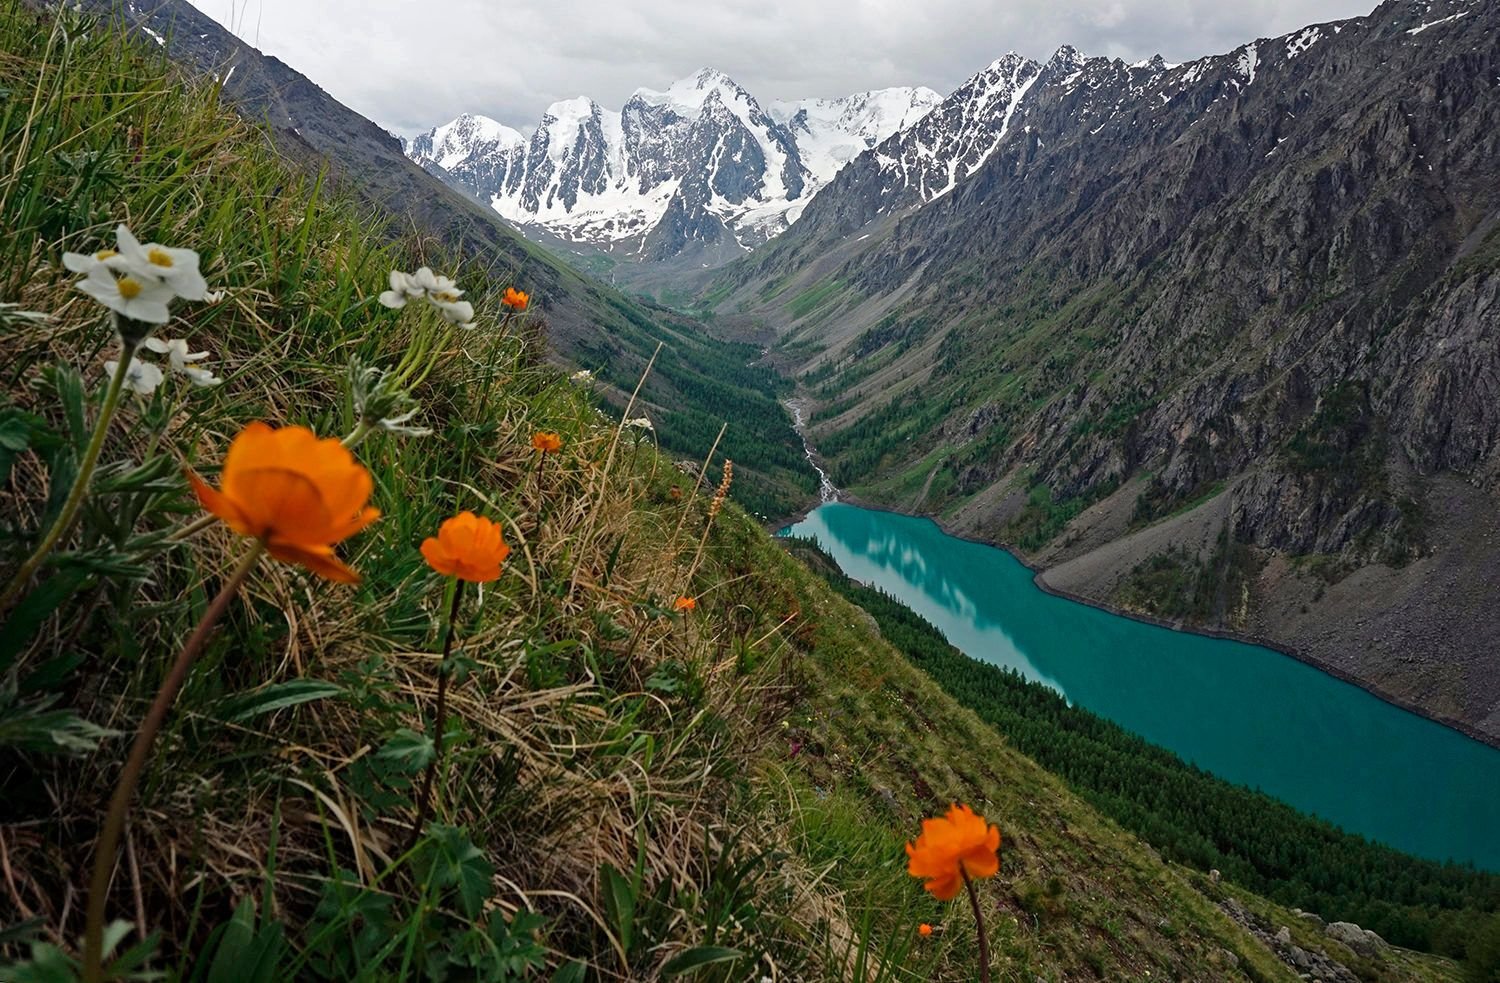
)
(1228, 324)
(631, 790)
(698, 382)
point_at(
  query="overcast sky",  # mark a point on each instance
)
(410, 66)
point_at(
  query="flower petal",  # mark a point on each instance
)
(319, 559)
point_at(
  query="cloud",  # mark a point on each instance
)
(409, 67)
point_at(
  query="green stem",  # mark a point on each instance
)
(984, 942)
(424, 800)
(119, 804)
(536, 529)
(80, 488)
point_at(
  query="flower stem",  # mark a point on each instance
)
(984, 942)
(119, 804)
(423, 801)
(536, 529)
(80, 488)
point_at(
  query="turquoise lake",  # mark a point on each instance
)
(1248, 714)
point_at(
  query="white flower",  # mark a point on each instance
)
(178, 356)
(433, 283)
(136, 297)
(582, 376)
(442, 292)
(177, 268)
(86, 263)
(401, 291)
(140, 377)
(640, 423)
(459, 312)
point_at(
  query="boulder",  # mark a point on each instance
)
(1362, 941)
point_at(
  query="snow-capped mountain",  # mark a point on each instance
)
(831, 132)
(699, 169)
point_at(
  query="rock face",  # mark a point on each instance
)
(700, 169)
(1271, 274)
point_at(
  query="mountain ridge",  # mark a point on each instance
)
(700, 171)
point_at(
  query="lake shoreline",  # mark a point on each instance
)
(1288, 650)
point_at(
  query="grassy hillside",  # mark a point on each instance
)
(701, 382)
(630, 790)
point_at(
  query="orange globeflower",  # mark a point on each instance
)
(545, 440)
(295, 493)
(468, 547)
(951, 846)
(924, 930)
(514, 299)
(684, 604)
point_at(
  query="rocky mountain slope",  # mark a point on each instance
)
(1213, 341)
(700, 171)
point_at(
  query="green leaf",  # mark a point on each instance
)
(70, 392)
(33, 612)
(22, 931)
(31, 726)
(19, 432)
(407, 750)
(573, 972)
(52, 674)
(620, 902)
(242, 707)
(458, 864)
(697, 957)
(244, 955)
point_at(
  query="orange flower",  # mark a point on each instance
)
(467, 547)
(951, 846)
(924, 930)
(514, 299)
(297, 494)
(545, 440)
(684, 604)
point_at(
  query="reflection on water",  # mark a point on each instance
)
(1249, 714)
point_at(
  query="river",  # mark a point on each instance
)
(1249, 714)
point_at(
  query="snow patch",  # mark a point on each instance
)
(1434, 23)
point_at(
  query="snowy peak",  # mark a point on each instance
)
(449, 144)
(928, 159)
(686, 96)
(698, 167)
(831, 132)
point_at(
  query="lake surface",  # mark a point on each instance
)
(1246, 713)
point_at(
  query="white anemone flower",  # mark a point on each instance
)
(433, 283)
(177, 268)
(140, 377)
(86, 263)
(423, 283)
(582, 376)
(459, 312)
(402, 290)
(180, 359)
(640, 423)
(137, 297)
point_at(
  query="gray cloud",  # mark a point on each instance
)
(410, 66)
